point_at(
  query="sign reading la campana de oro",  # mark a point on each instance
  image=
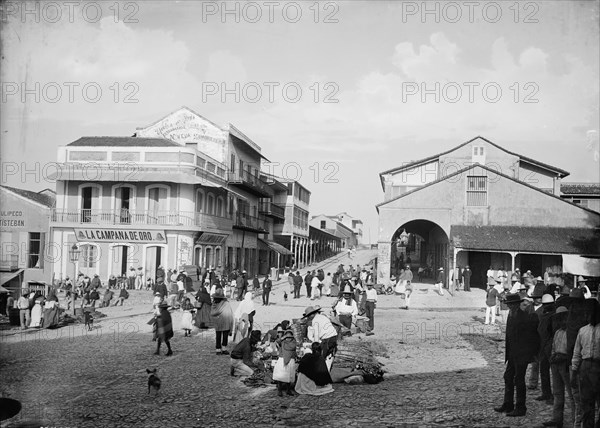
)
(120, 235)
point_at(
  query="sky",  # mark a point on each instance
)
(333, 92)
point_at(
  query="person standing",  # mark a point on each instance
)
(370, 304)
(23, 306)
(297, 285)
(131, 278)
(522, 345)
(585, 364)
(327, 282)
(239, 287)
(164, 329)
(314, 287)
(307, 283)
(559, 365)
(440, 281)
(544, 313)
(491, 300)
(467, 273)
(222, 316)
(255, 284)
(266, 290)
(291, 282)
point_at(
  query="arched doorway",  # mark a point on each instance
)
(422, 243)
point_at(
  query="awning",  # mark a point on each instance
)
(578, 265)
(7, 276)
(276, 247)
(211, 239)
(539, 240)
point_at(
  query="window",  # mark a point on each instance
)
(232, 165)
(477, 151)
(35, 261)
(217, 257)
(290, 187)
(88, 256)
(476, 191)
(210, 204)
(323, 224)
(199, 201)
(219, 207)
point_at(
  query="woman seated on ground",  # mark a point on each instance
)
(313, 376)
(241, 356)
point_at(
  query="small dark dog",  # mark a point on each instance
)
(153, 381)
(285, 296)
(89, 320)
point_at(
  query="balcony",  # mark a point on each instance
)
(9, 262)
(141, 217)
(250, 183)
(271, 209)
(250, 223)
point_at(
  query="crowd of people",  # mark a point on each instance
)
(555, 331)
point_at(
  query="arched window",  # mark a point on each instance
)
(217, 257)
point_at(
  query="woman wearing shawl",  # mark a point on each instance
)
(51, 314)
(284, 372)
(36, 313)
(244, 316)
(313, 376)
(203, 303)
(164, 330)
(222, 316)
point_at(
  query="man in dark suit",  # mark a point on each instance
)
(522, 345)
(466, 274)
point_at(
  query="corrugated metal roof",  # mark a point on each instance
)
(40, 198)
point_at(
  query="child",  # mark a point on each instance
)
(187, 317)
(285, 369)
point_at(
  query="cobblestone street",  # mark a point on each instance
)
(70, 378)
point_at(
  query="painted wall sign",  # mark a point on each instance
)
(11, 222)
(120, 235)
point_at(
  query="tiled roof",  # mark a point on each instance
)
(123, 142)
(554, 240)
(40, 198)
(580, 188)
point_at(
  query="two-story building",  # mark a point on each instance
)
(181, 191)
(481, 205)
(26, 258)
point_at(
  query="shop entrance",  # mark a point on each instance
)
(154, 259)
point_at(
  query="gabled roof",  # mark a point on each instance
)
(413, 164)
(580, 188)
(36, 197)
(122, 142)
(477, 165)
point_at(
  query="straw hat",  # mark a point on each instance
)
(310, 310)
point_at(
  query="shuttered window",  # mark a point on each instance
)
(476, 191)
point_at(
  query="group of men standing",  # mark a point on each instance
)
(560, 340)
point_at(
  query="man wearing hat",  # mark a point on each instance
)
(346, 308)
(541, 367)
(578, 318)
(323, 330)
(522, 345)
(23, 306)
(241, 356)
(164, 329)
(585, 364)
(559, 364)
(371, 300)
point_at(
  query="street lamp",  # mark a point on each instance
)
(74, 253)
